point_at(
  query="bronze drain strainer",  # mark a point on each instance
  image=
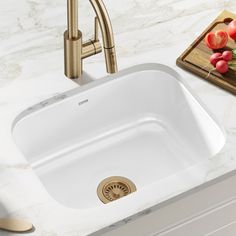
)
(115, 187)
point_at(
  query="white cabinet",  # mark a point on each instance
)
(209, 210)
(217, 222)
(228, 230)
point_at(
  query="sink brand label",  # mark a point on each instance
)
(83, 102)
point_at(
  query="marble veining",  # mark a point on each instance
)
(31, 71)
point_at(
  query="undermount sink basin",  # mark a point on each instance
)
(143, 124)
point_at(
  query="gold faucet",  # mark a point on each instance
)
(76, 50)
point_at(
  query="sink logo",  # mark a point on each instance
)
(83, 102)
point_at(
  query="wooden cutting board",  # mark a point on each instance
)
(196, 58)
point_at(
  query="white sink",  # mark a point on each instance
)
(143, 124)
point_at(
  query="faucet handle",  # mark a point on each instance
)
(96, 29)
(92, 46)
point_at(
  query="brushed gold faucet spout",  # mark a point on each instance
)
(74, 48)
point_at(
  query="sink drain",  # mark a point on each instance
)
(115, 187)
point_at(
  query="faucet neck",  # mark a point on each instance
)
(76, 50)
(72, 18)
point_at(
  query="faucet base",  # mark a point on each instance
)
(73, 55)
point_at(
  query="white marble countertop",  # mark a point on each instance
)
(31, 70)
